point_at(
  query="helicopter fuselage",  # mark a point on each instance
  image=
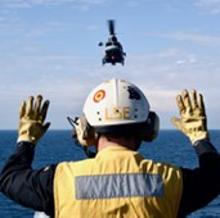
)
(113, 55)
(113, 49)
(113, 52)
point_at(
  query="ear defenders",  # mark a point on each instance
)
(152, 127)
(83, 133)
(86, 135)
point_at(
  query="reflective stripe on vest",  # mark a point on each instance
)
(117, 183)
(120, 185)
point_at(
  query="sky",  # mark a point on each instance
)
(51, 47)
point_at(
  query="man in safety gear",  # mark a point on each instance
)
(118, 181)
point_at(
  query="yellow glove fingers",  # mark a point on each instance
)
(192, 121)
(44, 110)
(29, 107)
(201, 105)
(38, 104)
(180, 104)
(22, 109)
(194, 100)
(186, 100)
(32, 115)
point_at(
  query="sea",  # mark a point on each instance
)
(57, 145)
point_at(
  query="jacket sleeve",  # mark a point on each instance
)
(28, 187)
(201, 185)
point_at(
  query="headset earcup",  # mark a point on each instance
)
(152, 127)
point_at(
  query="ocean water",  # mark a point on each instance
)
(170, 146)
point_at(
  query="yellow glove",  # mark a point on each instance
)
(192, 121)
(31, 123)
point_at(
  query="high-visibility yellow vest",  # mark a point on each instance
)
(117, 183)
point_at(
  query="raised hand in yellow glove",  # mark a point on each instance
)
(192, 121)
(31, 119)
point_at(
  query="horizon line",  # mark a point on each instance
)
(59, 129)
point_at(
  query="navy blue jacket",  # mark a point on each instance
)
(34, 188)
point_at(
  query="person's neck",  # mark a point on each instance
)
(105, 142)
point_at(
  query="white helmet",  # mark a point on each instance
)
(116, 102)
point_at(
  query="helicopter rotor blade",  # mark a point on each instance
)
(111, 25)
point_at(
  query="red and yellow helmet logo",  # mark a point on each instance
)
(99, 95)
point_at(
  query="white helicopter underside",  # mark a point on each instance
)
(111, 47)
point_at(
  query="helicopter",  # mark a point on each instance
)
(113, 51)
